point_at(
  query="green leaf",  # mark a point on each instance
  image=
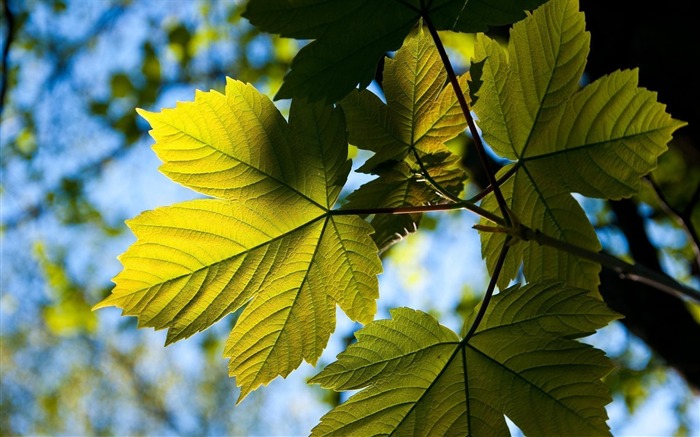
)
(419, 378)
(420, 115)
(268, 242)
(532, 111)
(333, 64)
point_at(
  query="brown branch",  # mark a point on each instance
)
(9, 38)
(661, 320)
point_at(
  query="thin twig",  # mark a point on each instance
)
(454, 81)
(682, 217)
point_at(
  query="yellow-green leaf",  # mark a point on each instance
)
(606, 135)
(420, 115)
(269, 242)
(419, 378)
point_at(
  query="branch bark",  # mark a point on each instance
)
(9, 37)
(659, 319)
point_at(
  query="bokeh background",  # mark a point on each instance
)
(76, 162)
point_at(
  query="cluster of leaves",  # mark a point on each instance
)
(272, 242)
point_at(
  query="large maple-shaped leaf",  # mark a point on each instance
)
(419, 378)
(421, 113)
(531, 111)
(350, 36)
(268, 241)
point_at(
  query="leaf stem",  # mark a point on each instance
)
(462, 204)
(489, 291)
(481, 150)
(632, 272)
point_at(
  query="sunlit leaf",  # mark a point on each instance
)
(268, 241)
(420, 115)
(419, 378)
(532, 111)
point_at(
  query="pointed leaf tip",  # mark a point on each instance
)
(607, 134)
(416, 377)
(266, 241)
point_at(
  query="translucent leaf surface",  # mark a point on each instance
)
(420, 115)
(267, 242)
(532, 111)
(419, 378)
(333, 64)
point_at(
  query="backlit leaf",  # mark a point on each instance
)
(532, 111)
(333, 63)
(267, 242)
(420, 115)
(419, 378)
